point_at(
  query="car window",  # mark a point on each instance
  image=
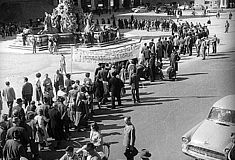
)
(222, 115)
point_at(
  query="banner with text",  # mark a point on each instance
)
(106, 55)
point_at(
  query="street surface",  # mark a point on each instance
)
(168, 108)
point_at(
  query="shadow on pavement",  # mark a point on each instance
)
(112, 126)
(177, 79)
(188, 97)
(156, 99)
(192, 74)
(224, 57)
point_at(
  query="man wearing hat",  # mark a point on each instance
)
(144, 154)
(69, 154)
(18, 110)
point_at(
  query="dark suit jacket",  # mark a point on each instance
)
(115, 85)
(14, 150)
(23, 134)
(27, 89)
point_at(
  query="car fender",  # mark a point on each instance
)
(190, 133)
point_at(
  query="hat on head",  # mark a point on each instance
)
(19, 100)
(69, 149)
(38, 75)
(145, 153)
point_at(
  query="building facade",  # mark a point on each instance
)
(216, 3)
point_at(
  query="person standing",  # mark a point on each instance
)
(1, 103)
(8, 94)
(58, 81)
(34, 44)
(103, 74)
(98, 90)
(131, 67)
(47, 84)
(159, 50)
(39, 94)
(152, 67)
(55, 124)
(134, 83)
(203, 48)
(18, 110)
(230, 15)
(115, 85)
(198, 45)
(68, 83)
(214, 44)
(129, 138)
(226, 26)
(62, 64)
(27, 92)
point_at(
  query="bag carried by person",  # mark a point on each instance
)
(131, 153)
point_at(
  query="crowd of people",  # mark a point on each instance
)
(10, 29)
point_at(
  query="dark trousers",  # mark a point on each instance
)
(34, 48)
(135, 94)
(113, 100)
(152, 71)
(214, 47)
(27, 99)
(10, 105)
(190, 50)
(34, 149)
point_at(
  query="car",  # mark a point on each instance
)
(161, 9)
(141, 10)
(208, 139)
(214, 10)
(135, 8)
(184, 7)
(198, 7)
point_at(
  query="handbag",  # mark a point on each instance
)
(131, 153)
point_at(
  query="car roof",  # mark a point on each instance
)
(227, 102)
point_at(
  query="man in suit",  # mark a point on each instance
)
(115, 85)
(129, 138)
(9, 95)
(27, 92)
(55, 122)
(104, 75)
